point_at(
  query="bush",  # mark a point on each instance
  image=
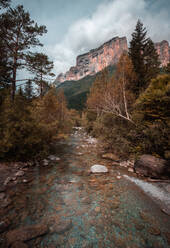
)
(21, 137)
(152, 116)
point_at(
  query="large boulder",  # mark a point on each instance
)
(150, 166)
(97, 168)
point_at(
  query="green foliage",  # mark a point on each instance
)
(21, 136)
(4, 3)
(18, 33)
(152, 117)
(39, 64)
(29, 128)
(28, 90)
(76, 91)
(144, 58)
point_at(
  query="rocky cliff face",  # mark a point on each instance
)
(108, 54)
(97, 59)
(163, 50)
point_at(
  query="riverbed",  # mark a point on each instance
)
(83, 209)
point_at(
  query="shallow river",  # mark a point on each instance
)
(87, 210)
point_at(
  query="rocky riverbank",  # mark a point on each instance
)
(60, 203)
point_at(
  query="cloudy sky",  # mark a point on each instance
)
(76, 26)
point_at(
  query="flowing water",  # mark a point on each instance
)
(87, 210)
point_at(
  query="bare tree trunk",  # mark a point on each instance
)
(13, 88)
(41, 87)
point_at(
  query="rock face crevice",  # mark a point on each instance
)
(108, 54)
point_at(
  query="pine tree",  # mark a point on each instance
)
(41, 66)
(144, 58)
(4, 3)
(28, 90)
(20, 92)
(19, 33)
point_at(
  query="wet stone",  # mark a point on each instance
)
(19, 174)
(26, 233)
(97, 209)
(19, 244)
(4, 225)
(61, 226)
(154, 231)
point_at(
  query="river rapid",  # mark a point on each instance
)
(84, 210)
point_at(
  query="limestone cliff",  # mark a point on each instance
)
(97, 59)
(108, 54)
(163, 50)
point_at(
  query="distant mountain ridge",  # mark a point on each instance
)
(106, 55)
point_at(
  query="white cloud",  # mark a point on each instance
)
(112, 18)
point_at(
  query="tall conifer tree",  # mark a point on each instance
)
(144, 58)
(19, 33)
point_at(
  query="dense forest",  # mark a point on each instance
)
(33, 113)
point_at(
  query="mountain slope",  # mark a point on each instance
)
(76, 91)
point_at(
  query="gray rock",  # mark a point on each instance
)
(97, 168)
(45, 162)
(130, 169)
(8, 179)
(150, 166)
(61, 227)
(53, 158)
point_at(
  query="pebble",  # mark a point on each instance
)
(118, 177)
(19, 173)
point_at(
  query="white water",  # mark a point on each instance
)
(156, 192)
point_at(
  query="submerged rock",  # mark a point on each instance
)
(26, 233)
(19, 244)
(19, 173)
(150, 166)
(97, 168)
(53, 158)
(45, 162)
(61, 226)
(4, 225)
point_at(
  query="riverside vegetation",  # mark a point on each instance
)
(129, 111)
(29, 121)
(126, 107)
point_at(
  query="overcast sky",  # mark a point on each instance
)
(76, 26)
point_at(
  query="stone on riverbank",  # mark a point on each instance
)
(110, 156)
(19, 173)
(53, 158)
(150, 166)
(97, 168)
(26, 233)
